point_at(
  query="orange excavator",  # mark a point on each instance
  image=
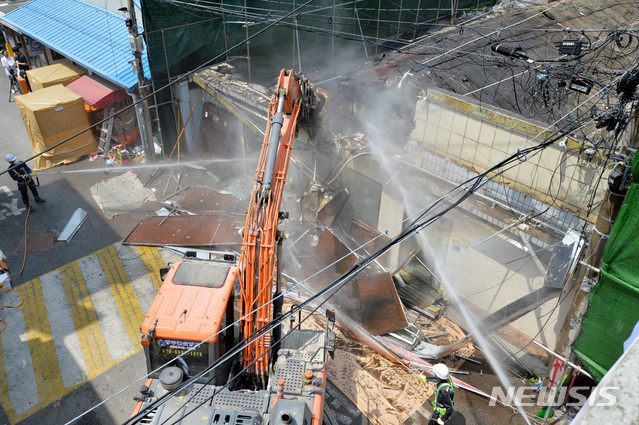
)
(205, 369)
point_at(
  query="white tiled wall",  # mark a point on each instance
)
(478, 138)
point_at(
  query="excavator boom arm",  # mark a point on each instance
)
(258, 260)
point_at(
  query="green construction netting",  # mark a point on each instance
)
(183, 35)
(613, 307)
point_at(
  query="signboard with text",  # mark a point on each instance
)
(35, 47)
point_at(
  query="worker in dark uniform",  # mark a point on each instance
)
(23, 175)
(23, 65)
(443, 403)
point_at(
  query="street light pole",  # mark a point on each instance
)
(142, 108)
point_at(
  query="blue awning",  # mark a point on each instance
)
(89, 35)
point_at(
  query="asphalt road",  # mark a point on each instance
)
(64, 192)
(65, 188)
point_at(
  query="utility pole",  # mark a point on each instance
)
(587, 273)
(142, 109)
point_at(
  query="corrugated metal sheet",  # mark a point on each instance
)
(91, 36)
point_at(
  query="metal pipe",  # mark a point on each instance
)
(563, 359)
(516, 223)
(590, 267)
(248, 43)
(277, 120)
(419, 6)
(360, 30)
(399, 19)
(467, 359)
(333, 38)
(379, 8)
(177, 191)
(175, 207)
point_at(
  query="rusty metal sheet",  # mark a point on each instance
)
(363, 233)
(191, 230)
(373, 302)
(326, 216)
(329, 250)
(205, 201)
(39, 242)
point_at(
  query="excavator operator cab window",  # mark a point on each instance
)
(162, 351)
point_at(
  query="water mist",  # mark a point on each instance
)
(389, 167)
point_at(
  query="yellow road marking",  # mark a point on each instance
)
(125, 298)
(153, 262)
(41, 345)
(85, 320)
(45, 359)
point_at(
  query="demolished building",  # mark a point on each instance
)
(405, 129)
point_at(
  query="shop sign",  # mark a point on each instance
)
(36, 47)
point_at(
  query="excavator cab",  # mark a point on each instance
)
(186, 326)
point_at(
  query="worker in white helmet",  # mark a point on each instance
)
(21, 173)
(443, 403)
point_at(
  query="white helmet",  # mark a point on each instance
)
(10, 157)
(441, 371)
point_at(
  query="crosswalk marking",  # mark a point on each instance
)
(71, 361)
(45, 360)
(86, 321)
(106, 308)
(153, 262)
(128, 304)
(76, 323)
(138, 275)
(5, 396)
(23, 394)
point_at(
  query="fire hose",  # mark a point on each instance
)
(30, 177)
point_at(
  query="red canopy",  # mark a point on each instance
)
(97, 91)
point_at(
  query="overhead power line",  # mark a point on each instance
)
(424, 220)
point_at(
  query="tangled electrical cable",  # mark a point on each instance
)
(550, 86)
(421, 221)
(418, 222)
(549, 69)
(521, 156)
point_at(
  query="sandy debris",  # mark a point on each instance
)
(386, 393)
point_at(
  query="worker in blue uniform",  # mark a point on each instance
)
(21, 173)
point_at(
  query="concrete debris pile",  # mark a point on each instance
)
(351, 143)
